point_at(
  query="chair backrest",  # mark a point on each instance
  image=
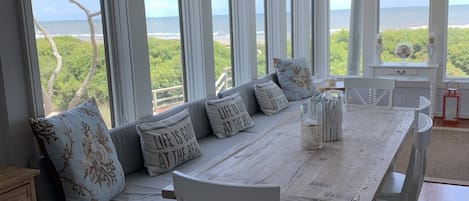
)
(371, 84)
(188, 188)
(424, 107)
(418, 157)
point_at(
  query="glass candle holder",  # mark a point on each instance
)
(311, 124)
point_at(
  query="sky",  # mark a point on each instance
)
(49, 10)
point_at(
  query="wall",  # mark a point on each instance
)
(408, 97)
(3, 120)
(15, 101)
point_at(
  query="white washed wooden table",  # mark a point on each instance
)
(349, 169)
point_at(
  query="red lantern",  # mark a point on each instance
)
(451, 103)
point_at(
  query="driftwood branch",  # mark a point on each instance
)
(58, 67)
(84, 85)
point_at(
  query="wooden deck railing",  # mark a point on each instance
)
(224, 81)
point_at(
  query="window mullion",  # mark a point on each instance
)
(301, 29)
(354, 47)
(128, 59)
(244, 40)
(438, 25)
(321, 38)
(198, 48)
(276, 31)
(370, 19)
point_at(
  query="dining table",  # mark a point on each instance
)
(352, 168)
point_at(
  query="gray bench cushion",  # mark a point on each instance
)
(140, 186)
(246, 91)
(127, 141)
(263, 122)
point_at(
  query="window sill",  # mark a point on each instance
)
(403, 65)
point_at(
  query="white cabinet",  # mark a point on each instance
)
(409, 72)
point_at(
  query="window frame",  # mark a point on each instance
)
(438, 24)
(127, 52)
(33, 60)
(463, 80)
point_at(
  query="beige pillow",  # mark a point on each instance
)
(294, 77)
(270, 97)
(228, 115)
(168, 143)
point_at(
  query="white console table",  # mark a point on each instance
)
(409, 72)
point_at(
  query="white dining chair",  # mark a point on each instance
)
(352, 84)
(424, 107)
(407, 187)
(188, 188)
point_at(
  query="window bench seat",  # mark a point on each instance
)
(142, 187)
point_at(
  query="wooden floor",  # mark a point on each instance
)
(443, 165)
(443, 192)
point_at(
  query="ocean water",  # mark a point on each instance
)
(168, 27)
(161, 27)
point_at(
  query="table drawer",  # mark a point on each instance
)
(395, 71)
(21, 193)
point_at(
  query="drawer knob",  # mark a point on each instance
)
(401, 72)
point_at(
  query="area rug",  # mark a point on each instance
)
(447, 156)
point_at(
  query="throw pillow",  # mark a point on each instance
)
(294, 77)
(168, 142)
(228, 115)
(81, 150)
(270, 97)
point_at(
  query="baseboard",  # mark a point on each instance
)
(461, 115)
(450, 128)
(446, 181)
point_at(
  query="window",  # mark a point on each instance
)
(339, 19)
(404, 22)
(222, 44)
(457, 62)
(260, 38)
(165, 53)
(71, 55)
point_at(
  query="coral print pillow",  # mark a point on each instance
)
(79, 145)
(294, 77)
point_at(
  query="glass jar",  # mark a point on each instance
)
(311, 123)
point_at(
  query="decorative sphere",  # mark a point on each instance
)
(403, 50)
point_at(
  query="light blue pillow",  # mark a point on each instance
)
(80, 147)
(294, 77)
